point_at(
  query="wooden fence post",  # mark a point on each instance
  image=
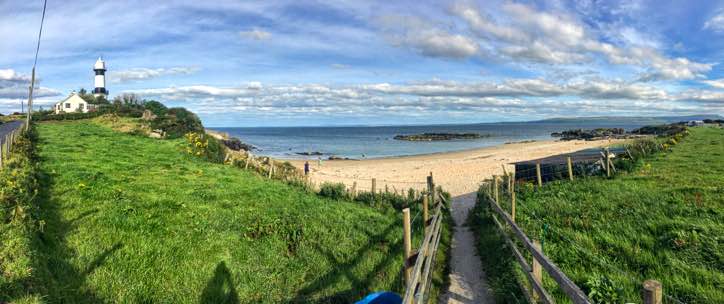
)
(570, 168)
(354, 190)
(425, 215)
(407, 241)
(433, 191)
(608, 162)
(537, 173)
(536, 270)
(510, 181)
(374, 185)
(271, 167)
(495, 188)
(512, 195)
(433, 196)
(652, 292)
(248, 159)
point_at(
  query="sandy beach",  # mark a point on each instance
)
(457, 172)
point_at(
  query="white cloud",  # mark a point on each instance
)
(717, 83)
(533, 96)
(426, 38)
(11, 76)
(136, 74)
(716, 23)
(256, 34)
(15, 85)
(556, 38)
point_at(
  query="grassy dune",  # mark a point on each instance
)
(133, 219)
(664, 221)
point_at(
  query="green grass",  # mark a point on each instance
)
(664, 220)
(133, 219)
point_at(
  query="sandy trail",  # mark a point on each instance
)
(459, 173)
(467, 279)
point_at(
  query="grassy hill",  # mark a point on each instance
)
(131, 219)
(664, 220)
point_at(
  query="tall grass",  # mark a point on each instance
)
(19, 222)
(661, 220)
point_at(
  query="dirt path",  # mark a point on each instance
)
(467, 280)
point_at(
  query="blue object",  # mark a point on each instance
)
(382, 297)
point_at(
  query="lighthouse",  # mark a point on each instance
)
(100, 80)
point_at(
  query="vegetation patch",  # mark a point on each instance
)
(19, 222)
(133, 219)
(661, 219)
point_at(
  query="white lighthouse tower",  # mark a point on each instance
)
(100, 80)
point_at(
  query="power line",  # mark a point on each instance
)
(40, 33)
(35, 62)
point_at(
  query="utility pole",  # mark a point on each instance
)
(32, 78)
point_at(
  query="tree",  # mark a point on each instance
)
(127, 99)
(89, 98)
(155, 107)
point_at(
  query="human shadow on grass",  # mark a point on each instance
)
(345, 269)
(220, 288)
(62, 281)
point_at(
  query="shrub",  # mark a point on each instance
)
(177, 122)
(335, 191)
(205, 146)
(390, 199)
(603, 290)
(155, 107)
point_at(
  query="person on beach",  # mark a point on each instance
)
(306, 168)
(319, 161)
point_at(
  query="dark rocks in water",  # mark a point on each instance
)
(589, 134)
(236, 144)
(314, 153)
(439, 136)
(338, 158)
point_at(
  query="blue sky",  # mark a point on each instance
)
(267, 63)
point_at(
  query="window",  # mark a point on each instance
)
(67, 105)
(80, 106)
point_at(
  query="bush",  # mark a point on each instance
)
(50, 115)
(155, 107)
(603, 290)
(335, 191)
(177, 122)
(390, 199)
(205, 146)
(102, 109)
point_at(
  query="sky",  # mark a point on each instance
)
(293, 63)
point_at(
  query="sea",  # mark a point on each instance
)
(364, 142)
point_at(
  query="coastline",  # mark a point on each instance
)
(459, 172)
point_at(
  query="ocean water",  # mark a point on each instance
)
(377, 141)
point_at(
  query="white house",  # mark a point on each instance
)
(72, 104)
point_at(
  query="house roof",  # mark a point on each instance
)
(73, 95)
